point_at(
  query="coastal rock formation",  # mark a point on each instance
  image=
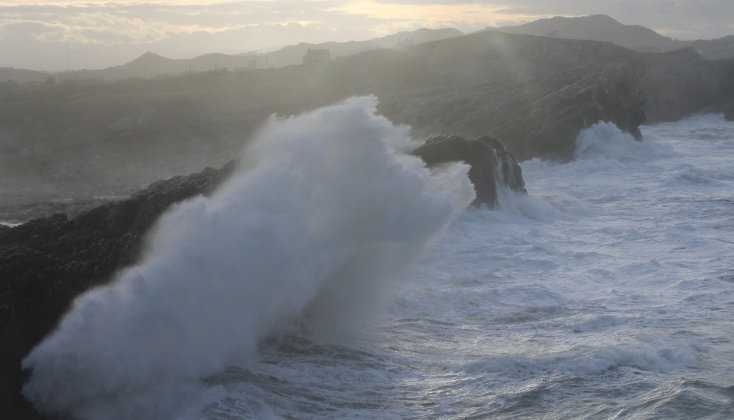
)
(46, 263)
(491, 164)
(547, 125)
(534, 93)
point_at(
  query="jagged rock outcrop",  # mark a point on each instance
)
(47, 262)
(491, 164)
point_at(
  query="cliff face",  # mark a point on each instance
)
(534, 93)
(547, 125)
(681, 83)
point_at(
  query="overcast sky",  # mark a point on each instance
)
(73, 34)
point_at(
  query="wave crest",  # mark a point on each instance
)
(325, 210)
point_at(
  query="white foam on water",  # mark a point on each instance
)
(604, 140)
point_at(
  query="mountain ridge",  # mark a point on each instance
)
(604, 28)
(151, 64)
(599, 27)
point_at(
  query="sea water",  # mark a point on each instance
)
(607, 292)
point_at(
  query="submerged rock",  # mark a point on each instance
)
(46, 263)
(492, 166)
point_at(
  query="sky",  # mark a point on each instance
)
(55, 35)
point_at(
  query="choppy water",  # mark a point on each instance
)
(608, 292)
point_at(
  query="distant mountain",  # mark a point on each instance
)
(635, 37)
(21, 75)
(294, 54)
(152, 65)
(598, 28)
(715, 48)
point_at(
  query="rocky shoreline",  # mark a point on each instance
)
(47, 262)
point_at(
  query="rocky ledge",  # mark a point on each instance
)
(46, 263)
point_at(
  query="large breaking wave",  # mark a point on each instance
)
(326, 208)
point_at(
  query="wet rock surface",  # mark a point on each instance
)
(492, 166)
(46, 263)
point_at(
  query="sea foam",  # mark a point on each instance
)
(604, 140)
(325, 210)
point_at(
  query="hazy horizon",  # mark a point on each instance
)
(58, 35)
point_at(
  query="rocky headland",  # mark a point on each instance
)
(46, 263)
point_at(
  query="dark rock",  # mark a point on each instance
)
(547, 125)
(491, 164)
(681, 83)
(46, 263)
(29, 207)
(534, 93)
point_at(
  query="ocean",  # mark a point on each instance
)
(606, 292)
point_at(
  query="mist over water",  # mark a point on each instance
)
(325, 212)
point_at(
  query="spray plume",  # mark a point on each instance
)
(325, 209)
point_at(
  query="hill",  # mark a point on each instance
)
(597, 28)
(605, 29)
(22, 76)
(153, 65)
